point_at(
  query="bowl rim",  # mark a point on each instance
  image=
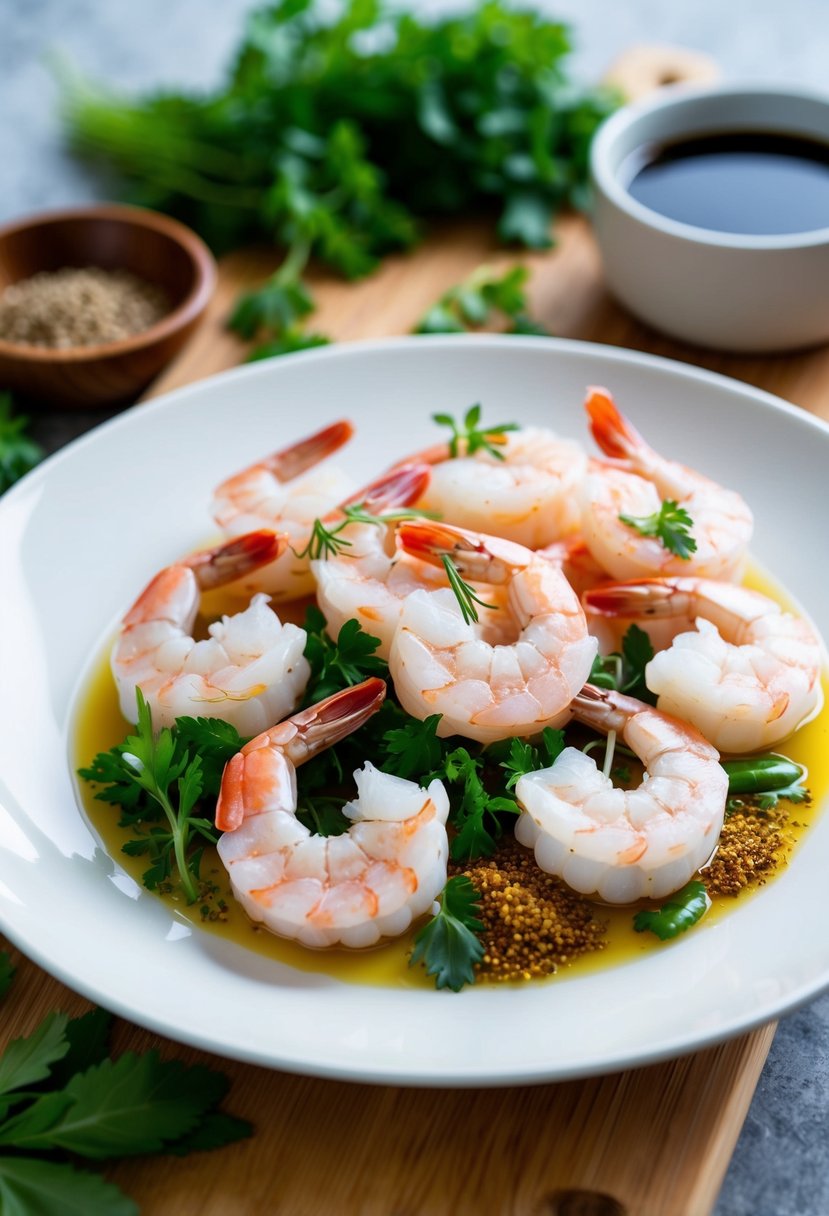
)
(188, 310)
(607, 182)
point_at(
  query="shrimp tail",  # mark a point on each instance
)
(289, 462)
(486, 558)
(603, 708)
(401, 487)
(646, 598)
(614, 434)
(223, 564)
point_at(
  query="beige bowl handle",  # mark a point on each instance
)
(642, 69)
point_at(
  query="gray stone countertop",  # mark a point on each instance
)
(781, 1163)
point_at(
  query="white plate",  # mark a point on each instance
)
(83, 532)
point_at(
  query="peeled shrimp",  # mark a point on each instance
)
(368, 883)
(249, 671)
(623, 845)
(441, 664)
(530, 496)
(272, 494)
(746, 675)
(367, 580)
(636, 482)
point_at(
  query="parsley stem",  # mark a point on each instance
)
(608, 754)
(179, 835)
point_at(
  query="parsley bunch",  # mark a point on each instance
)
(159, 780)
(472, 303)
(63, 1098)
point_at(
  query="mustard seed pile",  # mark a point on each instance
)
(532, 923)
(753, 844)
(79, 307)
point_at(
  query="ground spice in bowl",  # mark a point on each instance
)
(79, 306)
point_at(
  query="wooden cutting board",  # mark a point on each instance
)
(650, 1142)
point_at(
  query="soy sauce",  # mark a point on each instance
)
(747, 182)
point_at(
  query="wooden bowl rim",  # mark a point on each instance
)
(173, 322)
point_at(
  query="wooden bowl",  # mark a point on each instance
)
(151, 246)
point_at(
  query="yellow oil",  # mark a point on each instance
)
(98, 726)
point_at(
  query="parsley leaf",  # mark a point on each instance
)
(50, 1189)
(625, 672)
(479, 300)
(29, 1060)
(467, 438)
(18, 453)
(475, 816)
(274, 307)
(680, 912)
(448, 945)
(671, 524)
(414, 749)
(288, 343)
(338, 665)
(6, 973)
(524, 758)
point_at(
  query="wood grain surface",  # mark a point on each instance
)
(650, 1142)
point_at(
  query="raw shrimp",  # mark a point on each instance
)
(442, 664)
(578, 565)
(635, 483)
(249, 671)
(272, 494)
(368, 883)
(747, 676)
(530, 496)
(368, 580)
(623, 845)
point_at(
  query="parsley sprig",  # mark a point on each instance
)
(671, 524)
(448, 946)
(479, 300)
(18, 453)
(61, 1093)
(468, 438)
(159, 780)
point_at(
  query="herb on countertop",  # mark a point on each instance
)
(479, 299)
(18, 453)
(671, 525)
(335, 139)
(62, 1097)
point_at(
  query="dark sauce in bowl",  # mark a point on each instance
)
(747, 182)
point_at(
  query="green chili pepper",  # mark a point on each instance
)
(762, 774)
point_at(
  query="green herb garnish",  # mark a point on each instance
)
(524, 758)
(448, 946)
(158, 780)
(61, 1093)
(764, 780)
(326, 541)
(467, 438)
(337, 665)
(480, 299)
(466, 597)
(18, 453)
(677, 915)
(475, 816)
(625, 672)
(671, 524)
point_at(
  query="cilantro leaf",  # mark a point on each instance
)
(28, 1060)
(676, 916)
(671, 524)
(6, 973)
(32, 1187)
(414, 750)
(448, 945)
(18, 453)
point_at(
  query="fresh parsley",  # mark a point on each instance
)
(338, 664)
(448, 946)
(479, 300)
(18, 453)
(676, 916)
(671, 525)
(61, 1093)
(414, 751)
(475, 814)
(524, 758)
(468, 437)
(158, 779)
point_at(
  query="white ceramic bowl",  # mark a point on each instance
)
(721, 289)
